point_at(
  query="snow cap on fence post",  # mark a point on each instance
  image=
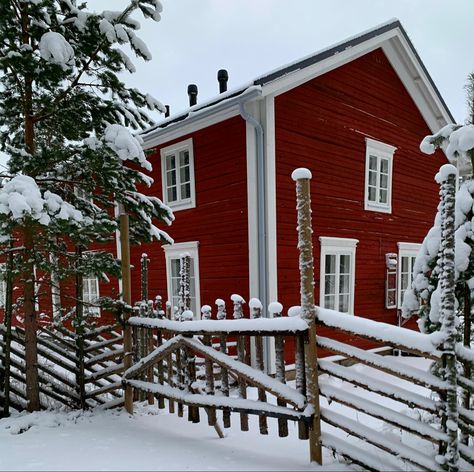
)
(301, 173)
(221, 314)
(294, 311)
(238, 302)
(256, 307)
(206, 312)
(187, 315)
(275, 309)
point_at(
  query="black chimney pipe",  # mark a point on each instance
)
(167, 112)
(222, 77)
(192, 94)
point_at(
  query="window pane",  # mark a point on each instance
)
(372, 193)
(175, 267)
(373, 163)
(329, 302)
(183, 158)
(384, 166)
(185, 191)
(330, 264)
(372, 178)
(184, 174)
(404, 281)
(383, 196)
(383, 181)
(170, 162)
(345, 264)
(344, 284)
(330, 284)
(170, 178)
(172, 195)
(344, 303)
(404, 264)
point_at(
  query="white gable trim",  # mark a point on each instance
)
(401, 58)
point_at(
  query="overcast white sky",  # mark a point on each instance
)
(195, 38)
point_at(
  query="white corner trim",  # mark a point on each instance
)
(329, 241)
(190, 202)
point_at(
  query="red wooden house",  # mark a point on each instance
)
(354, 114)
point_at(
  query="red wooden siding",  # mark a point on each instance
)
(322, 125)
(219, 221)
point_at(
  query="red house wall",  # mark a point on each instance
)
(218, 222)
(322, 125)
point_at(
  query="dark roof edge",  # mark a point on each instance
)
(308, 61)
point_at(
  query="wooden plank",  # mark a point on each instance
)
(105, 389)
(382, 413)
(394, 447)
(106, 356)
(246, 372)
(391, 367)
(109, 342)
(251, 407)
(385, 389)
(115, 369)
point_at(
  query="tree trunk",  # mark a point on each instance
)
(31, 351)
(31, 347)
(79, 328)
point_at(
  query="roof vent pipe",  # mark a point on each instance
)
(222, 77)
(167, 112)
(192, 93)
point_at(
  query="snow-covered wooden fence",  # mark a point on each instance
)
(60, 372)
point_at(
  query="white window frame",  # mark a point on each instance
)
(174, 251)
(338, 247)
(90, 310)
(405, 250)
(179, 204)
(380, 151)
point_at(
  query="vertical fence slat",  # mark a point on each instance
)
(222, 315)
(238, 314)
(275, 309)
(256, 307)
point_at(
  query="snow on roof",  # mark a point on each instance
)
(299, 64)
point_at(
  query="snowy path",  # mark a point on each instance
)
(151, 440)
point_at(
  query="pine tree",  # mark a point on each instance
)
(64, 124)
(457, 142)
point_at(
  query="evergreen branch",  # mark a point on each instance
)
(44, 115)
(16, 9)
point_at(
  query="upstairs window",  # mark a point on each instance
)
(337, 274)
(407, 253)
(173, 267)
(177, 170)
(378, 176)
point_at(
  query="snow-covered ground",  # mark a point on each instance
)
(155, 440)
(151, 440)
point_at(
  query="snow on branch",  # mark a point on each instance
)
(21, 197)
(125, 145)
(55, 49)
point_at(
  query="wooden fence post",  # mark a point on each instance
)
(447, 178)
(308, 309)
(127, 298)
(79, 329)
